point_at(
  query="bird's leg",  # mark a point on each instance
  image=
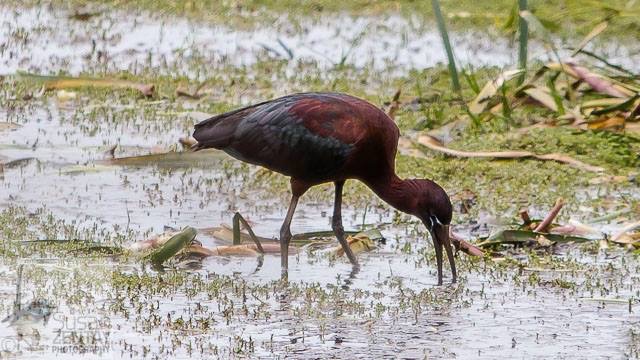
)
(285, 237)
(336, 224)
(438, 246)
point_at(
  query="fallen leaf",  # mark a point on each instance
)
(625, 229)
(628, 239)
(542, 96)
(543, 241)
(574, 228)
(607, 123)
(358, 243)
(85, 169)
(479, 103)
(604, 102)
(205, 158)
(225, 233)
(236, 250)
(599, 83)
(66, 82)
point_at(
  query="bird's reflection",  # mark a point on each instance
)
(348, 281)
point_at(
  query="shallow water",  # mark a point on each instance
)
(391, 308)
(234, 306)
(47, 41)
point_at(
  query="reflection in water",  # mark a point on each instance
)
(355, 269)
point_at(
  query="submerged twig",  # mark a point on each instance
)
(237, 219)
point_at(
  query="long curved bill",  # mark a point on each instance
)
(440, 236)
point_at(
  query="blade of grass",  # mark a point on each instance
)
(604, 61)
(445, 40)
(470, 77)
(523, 30)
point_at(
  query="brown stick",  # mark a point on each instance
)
(524, 215)
(552, 215)
(466, 248)
(435, 145)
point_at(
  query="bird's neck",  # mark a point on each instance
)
(396, 192)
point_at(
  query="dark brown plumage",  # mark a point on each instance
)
(329, 137)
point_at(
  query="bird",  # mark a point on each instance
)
(323, 137)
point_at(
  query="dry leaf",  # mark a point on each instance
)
(542, 96)
(225, 233)
(358, 243)
(625, 229)
(543, 241)
(607, 123)
(599, 83)
(480, 102)
(66, 82)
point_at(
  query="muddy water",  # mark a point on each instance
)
(234, 306)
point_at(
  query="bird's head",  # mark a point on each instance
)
(431, 204)
(433, 207)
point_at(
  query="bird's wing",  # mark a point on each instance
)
(306, 135)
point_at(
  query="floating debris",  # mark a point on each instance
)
(67, 82)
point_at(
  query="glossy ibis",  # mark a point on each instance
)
(329, 137)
